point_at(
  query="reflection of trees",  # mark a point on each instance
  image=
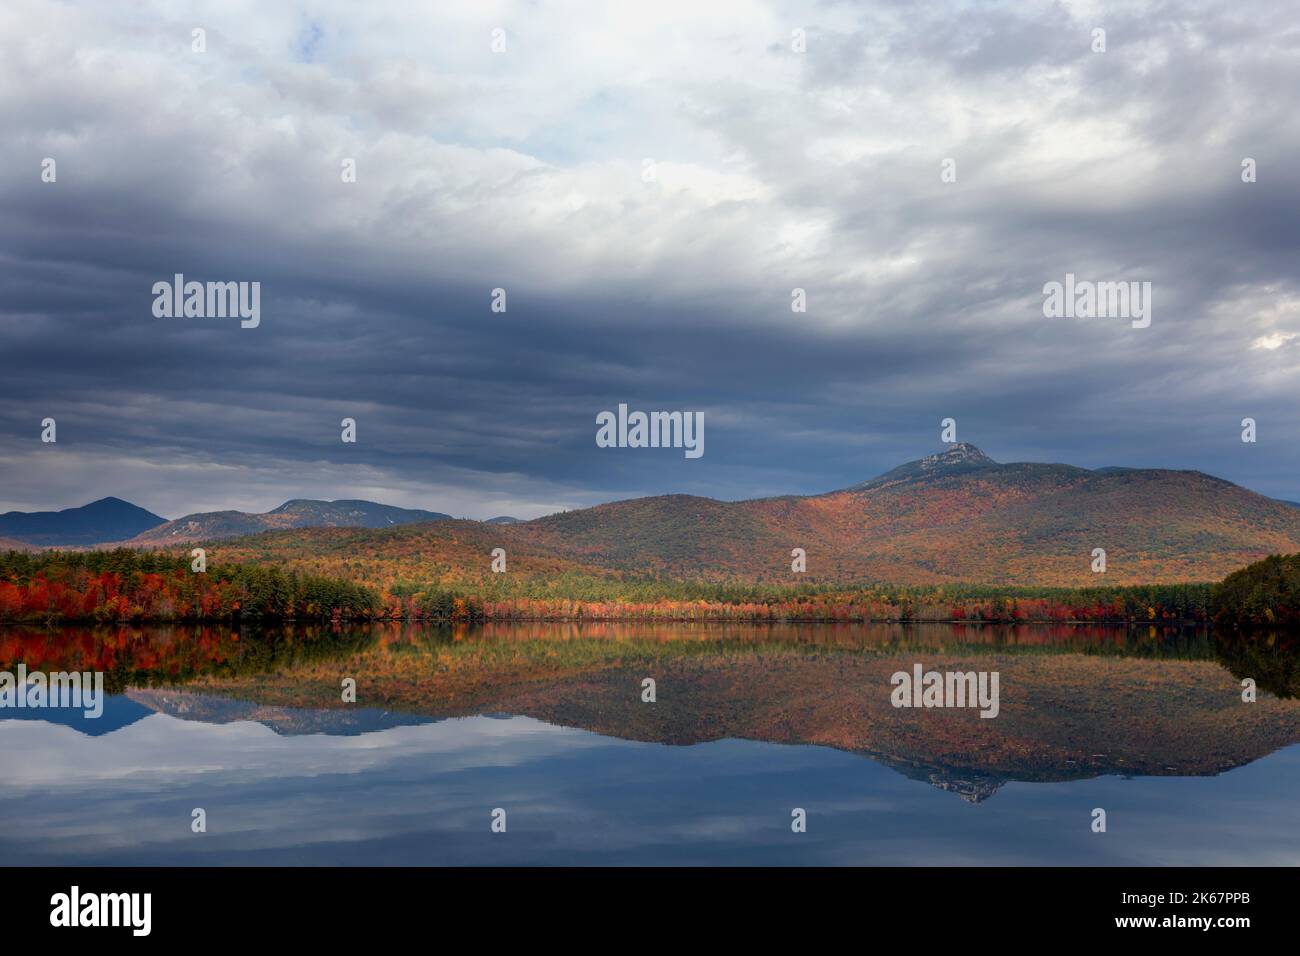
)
(1148, 641)
(144, 657)
(1271, 658)
(134, 656)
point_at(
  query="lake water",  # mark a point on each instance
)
(548, 723)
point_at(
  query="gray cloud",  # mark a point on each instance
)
(524, 170)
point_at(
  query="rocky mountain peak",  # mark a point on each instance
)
(958, 453)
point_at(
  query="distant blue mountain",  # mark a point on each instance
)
(108, 519)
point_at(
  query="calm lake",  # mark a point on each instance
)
(550, 723)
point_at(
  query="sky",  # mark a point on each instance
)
(648, 183)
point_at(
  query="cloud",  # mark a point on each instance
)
(526, 170)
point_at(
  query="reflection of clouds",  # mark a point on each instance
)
(135, 788)
(423, 794)
(160, 748)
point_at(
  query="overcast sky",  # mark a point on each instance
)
(529, 170)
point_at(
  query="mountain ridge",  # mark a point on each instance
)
(294, 513)
(955, 517)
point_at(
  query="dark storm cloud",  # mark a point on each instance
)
(774, 170)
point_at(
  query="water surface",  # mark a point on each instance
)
(547, 722)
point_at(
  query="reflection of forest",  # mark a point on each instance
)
(174, 654)
(1076, 701)
(1271, 659)
(132, 656)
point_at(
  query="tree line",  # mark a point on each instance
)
(125, 585)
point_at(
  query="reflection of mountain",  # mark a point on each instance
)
(118, 712)
(1076, 702)
(1063, 716)
(124, 710)
(972, 789)
(972, 786)
(286, 721)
